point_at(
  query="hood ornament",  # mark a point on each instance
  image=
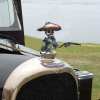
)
(49, 42)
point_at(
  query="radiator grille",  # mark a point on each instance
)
(49, 87)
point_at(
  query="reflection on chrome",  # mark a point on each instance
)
(11, 45)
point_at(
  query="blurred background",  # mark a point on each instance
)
(80, 19)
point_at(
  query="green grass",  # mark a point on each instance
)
(85, 57)
(33, 43)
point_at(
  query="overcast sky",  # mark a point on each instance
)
(80, 19)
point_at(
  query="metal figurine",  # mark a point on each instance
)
(49, 42)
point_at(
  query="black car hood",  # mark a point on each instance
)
(8, 62)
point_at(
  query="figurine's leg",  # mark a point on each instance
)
(55, 44)
(45, 45)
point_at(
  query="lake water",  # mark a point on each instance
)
(80, 19)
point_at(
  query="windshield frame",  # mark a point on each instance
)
(16, 25)
(17, 34)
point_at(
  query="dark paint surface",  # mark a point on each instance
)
(8, 62)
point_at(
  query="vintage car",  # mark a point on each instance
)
(23, 73)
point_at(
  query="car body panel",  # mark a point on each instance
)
(8, 62)
(27, 71)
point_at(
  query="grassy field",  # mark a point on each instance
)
(84, 57)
